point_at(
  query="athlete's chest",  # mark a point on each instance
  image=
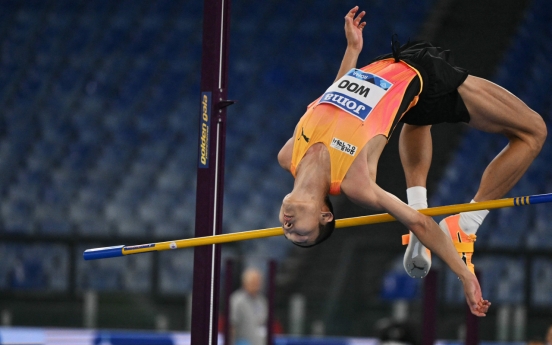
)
(357, 93)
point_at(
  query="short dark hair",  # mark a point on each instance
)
(325, 231)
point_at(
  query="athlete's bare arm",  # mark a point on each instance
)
(362, 190)
(353, 33)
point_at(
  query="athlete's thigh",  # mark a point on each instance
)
(496, 110)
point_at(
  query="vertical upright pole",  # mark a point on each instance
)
(271, 293)
(228, 284)
(429, 326)
(210, 172)
(472, 322)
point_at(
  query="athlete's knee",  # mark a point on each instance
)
(532, 132)
(538, 134)
(541, 132)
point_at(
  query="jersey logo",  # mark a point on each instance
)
(304, 136)
(420, 268)
(343, 146)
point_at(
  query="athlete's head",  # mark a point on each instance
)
(307, 223)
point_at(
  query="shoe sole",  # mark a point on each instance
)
(417, 260)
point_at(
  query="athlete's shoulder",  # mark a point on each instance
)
(285, 154)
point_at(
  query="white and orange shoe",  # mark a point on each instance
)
(417, 258)
(462, 241)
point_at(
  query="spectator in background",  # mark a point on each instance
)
(249, 311)
(549, 336)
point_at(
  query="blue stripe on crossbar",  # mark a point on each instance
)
(539, 199)
(103, 253)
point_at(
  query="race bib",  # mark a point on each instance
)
(357, 92)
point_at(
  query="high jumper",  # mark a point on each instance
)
(337, 143)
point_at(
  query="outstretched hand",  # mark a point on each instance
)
(353, 28)
(472, 290)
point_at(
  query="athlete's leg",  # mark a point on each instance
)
(415, 149)
(494, 109)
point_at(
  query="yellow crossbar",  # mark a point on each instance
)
(108, 252)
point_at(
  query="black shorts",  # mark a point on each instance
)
(439, 101)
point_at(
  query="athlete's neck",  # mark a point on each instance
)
(312, 178)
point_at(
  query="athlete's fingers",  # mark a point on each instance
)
(480, 308)
(352, 12)
(349, 18)
(349, 23)
(477, 313)
(362, 25)
(484, 306)
(359, 17)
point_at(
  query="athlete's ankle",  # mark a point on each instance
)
(417, 197)
(471, 221)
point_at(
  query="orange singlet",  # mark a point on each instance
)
(356, 108)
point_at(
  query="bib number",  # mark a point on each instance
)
(357, 92)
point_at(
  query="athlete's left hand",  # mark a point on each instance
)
(353, 29)
(472, 290)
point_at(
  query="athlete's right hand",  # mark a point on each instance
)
(353, 29)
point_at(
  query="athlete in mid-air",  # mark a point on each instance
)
(338, 141)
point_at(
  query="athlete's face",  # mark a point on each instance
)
(300, 221)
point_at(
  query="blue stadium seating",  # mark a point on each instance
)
(98, 119)
(34, 267)
(542, 283)
(98, 131)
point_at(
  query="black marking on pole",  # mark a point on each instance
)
(225, 103)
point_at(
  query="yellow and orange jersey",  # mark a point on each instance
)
(360, 105)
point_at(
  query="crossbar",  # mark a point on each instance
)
(122, 250)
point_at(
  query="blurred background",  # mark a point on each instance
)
(99, 106)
